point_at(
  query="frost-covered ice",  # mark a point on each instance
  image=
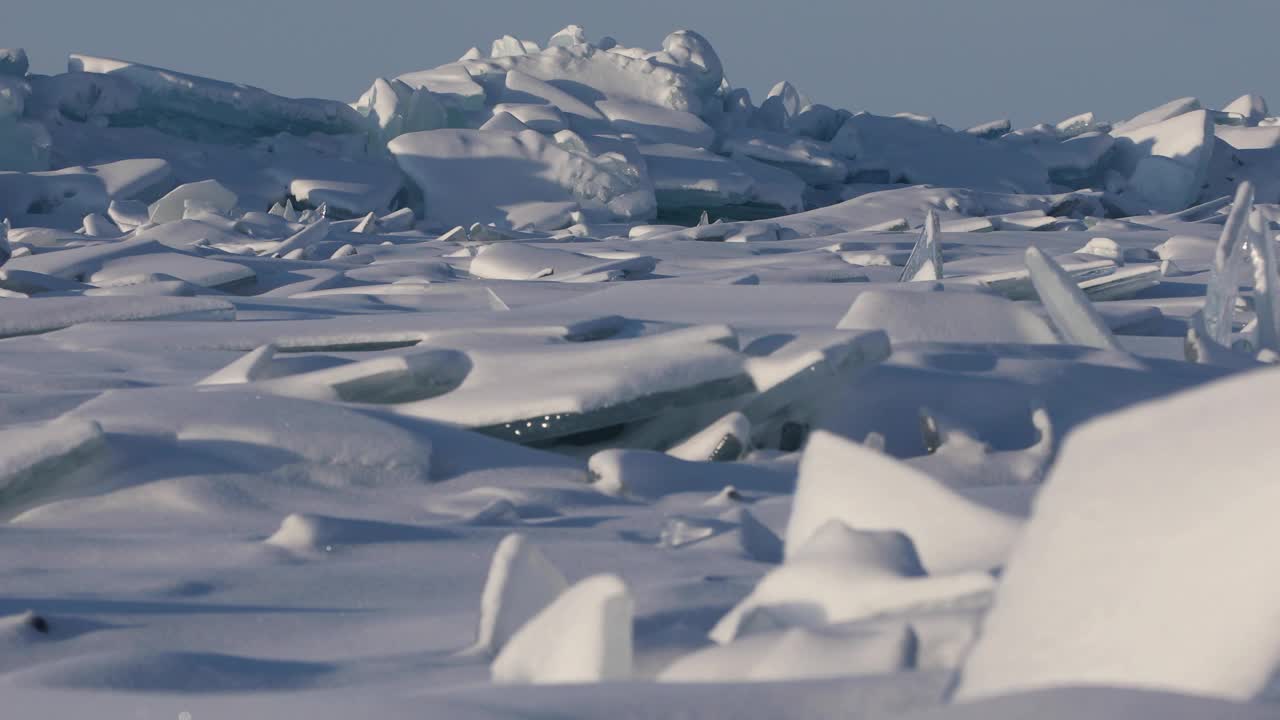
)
(565, 380)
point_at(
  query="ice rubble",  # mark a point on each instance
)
(343, 301)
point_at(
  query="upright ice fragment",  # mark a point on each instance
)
(521, 582)
(925, 262)
(1228, 264)
(1266, 305)
(1072, 313)
(584, 636)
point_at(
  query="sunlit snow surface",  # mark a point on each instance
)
(570, 382)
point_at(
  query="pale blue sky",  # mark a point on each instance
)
(964, 62)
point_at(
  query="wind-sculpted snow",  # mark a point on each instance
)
(566, 380)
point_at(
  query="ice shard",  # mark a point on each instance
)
(1228, 264)
(925, 262)
(1265, 302)
(1076, 320)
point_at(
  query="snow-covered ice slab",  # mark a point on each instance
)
(562, 391)
(41, 315)
(187, 104)
(950, 316)
(923, 152)
(517, 261)
(1122, 544)
(44, 463)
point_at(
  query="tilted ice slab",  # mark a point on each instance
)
(812, 161)
(520, 87)
(951, 316)
(42, 463)
(1165, 163)
(1123, 546)
(189, 105)
(383, 379)
(689, 177)
(867, 490)
(588, 72)
(654, 124)
(470, 175)
(1167, 111)
(528, 396)
(840, 575)
(1071, 311)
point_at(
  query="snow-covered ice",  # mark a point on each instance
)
(565, 380)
